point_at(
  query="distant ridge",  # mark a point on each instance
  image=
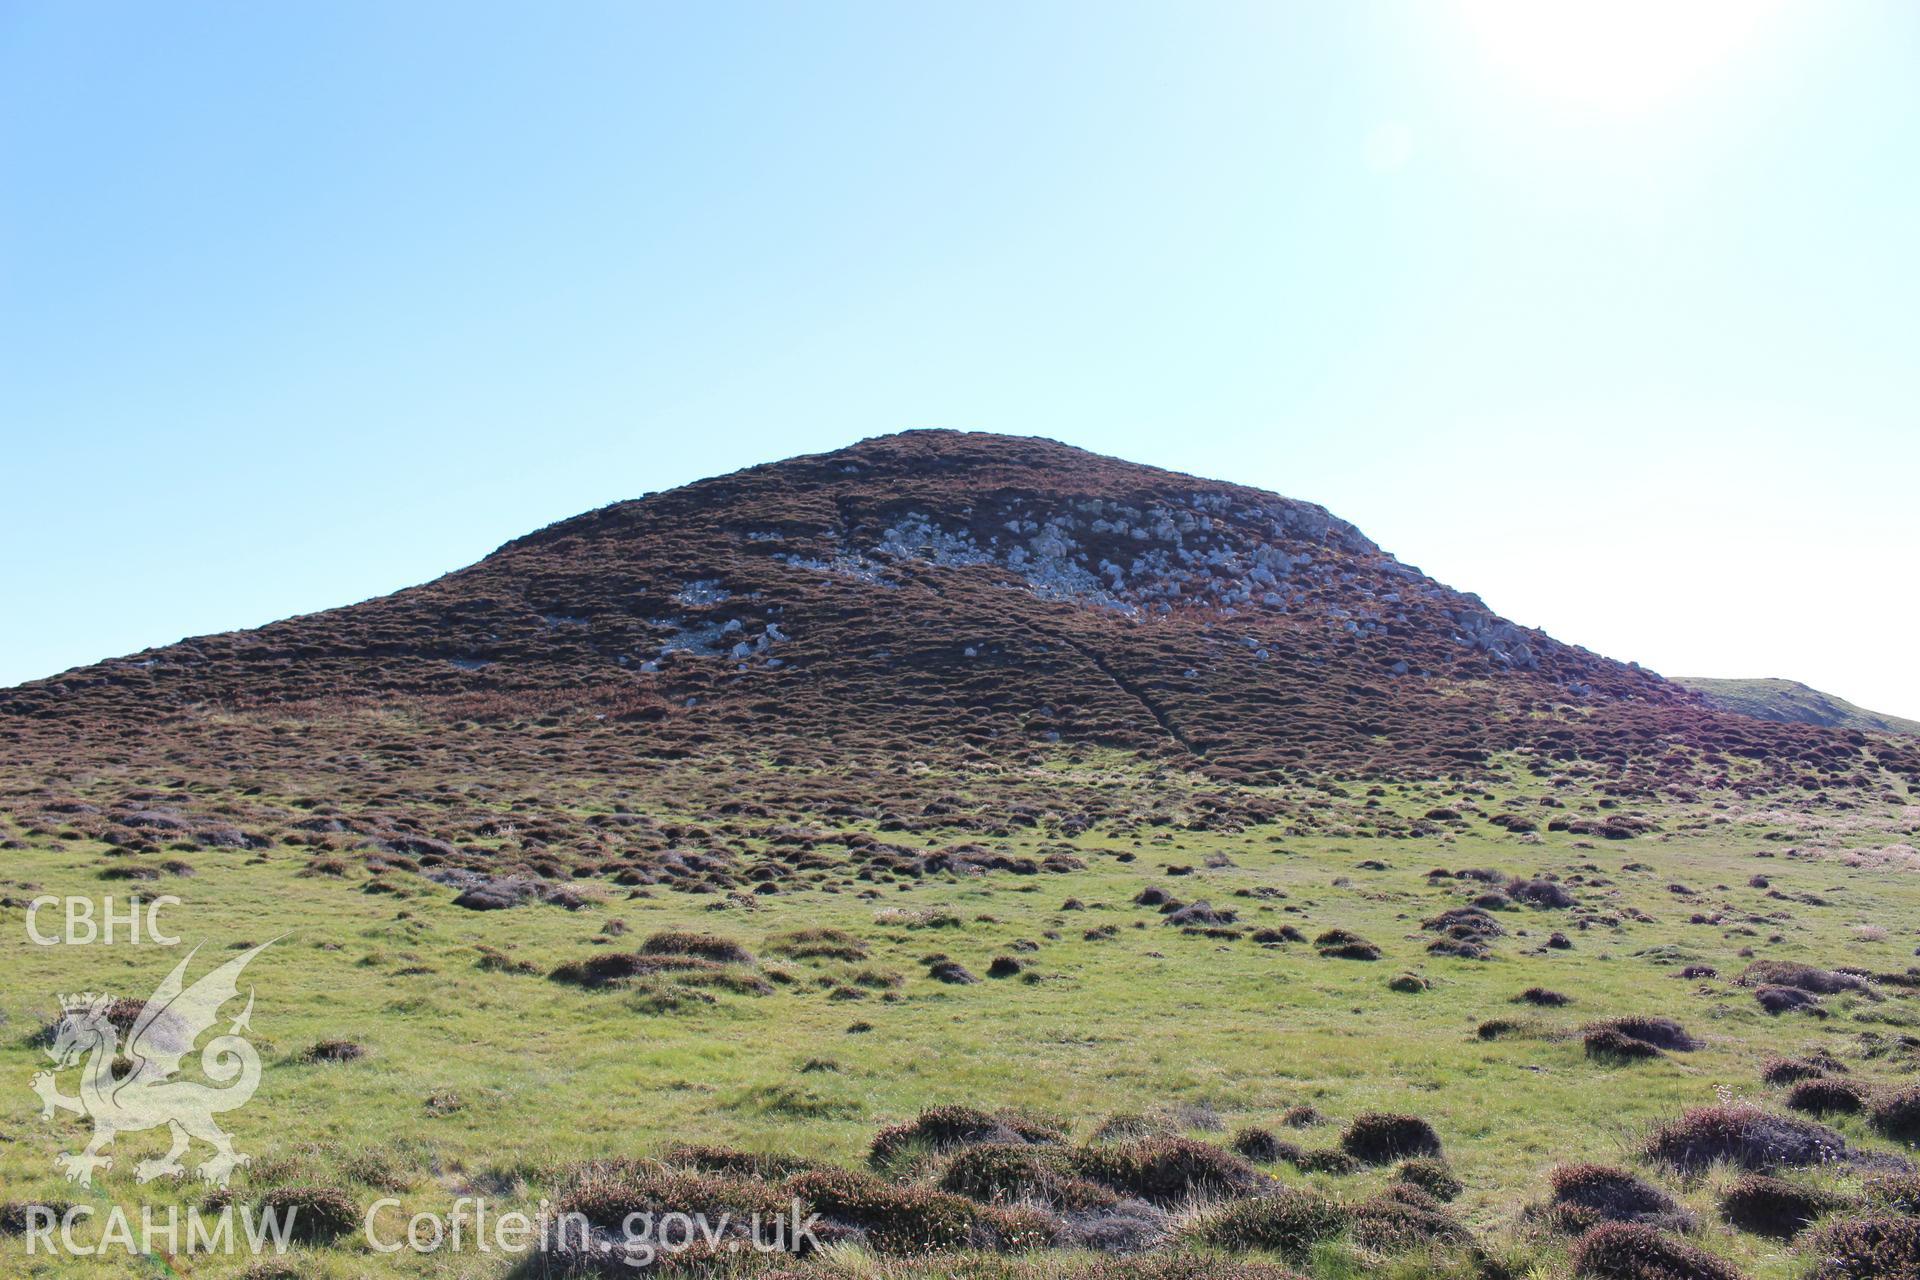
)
(1790, 702)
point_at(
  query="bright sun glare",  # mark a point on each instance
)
(1622, 55)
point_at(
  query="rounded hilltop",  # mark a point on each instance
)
(946, 591)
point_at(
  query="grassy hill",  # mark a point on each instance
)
(1790, 702)
(1037, 866)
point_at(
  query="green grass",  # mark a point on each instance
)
(1794, 703)
(548, 1074)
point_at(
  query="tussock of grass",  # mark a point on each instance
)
(1896, 1114)
(1744, 1136)
(1630, 1251)
(1383, 1137)
(1774, 1207)
(1288, 1223)
(1867, 1249)
(1825, 1097)
(1585, 1195)
(896, 1219)
(705, 946)
(1166, 1170)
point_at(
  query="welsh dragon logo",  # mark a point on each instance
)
(138, 1094)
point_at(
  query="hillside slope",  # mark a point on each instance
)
(953, 588)
(910, 634)
(1790, 702)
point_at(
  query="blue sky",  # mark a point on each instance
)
(1607, 314)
